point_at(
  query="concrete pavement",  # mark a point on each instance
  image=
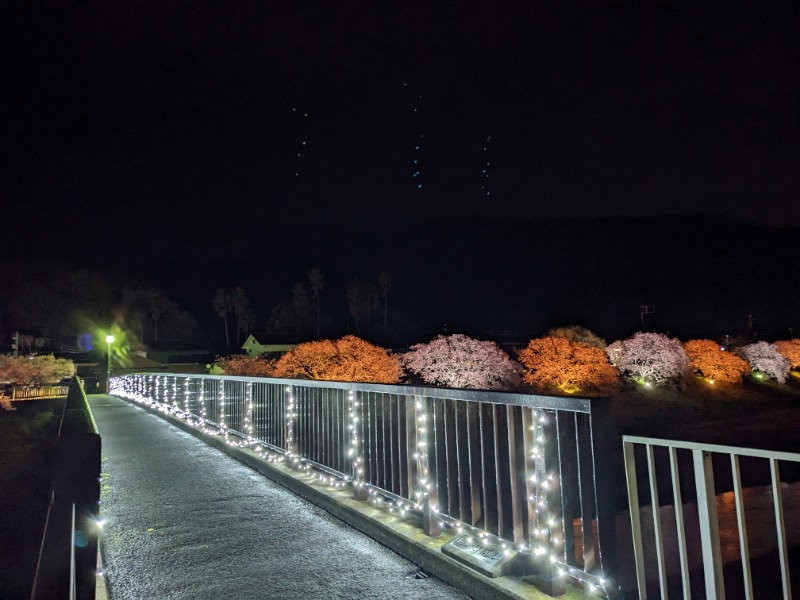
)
(186, 521)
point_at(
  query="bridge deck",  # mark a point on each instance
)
(187, 521)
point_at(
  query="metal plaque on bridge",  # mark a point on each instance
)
(490, 559)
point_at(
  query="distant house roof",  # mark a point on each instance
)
(276, 339)
(261, 343)
(138, 362)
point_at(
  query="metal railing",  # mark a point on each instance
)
(66, 569)
(515, 470)
(45, 391)
(699, 457)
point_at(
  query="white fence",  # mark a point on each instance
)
(698, 457)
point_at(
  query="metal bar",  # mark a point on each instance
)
(498, 484)
(780, 526)
(73, 590)
(411, 448)
(586, 489)
(740, 518)
(756, 453)
(530, 450)
(566, 462)
(567, 403)
(659, 537)
(709, 525)
(515, 474)
(680, 524)
(475, 472)
(636, 524)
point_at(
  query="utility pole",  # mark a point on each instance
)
(15, 344)
(646, 309)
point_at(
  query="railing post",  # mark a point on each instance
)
(709, 525)
(356, 458)
(427, 475)
(290, 415)
(537, 560)
(636, 522)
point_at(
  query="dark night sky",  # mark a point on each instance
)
(172, 129)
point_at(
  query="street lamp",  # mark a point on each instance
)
(109, 341)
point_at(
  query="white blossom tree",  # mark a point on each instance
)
(765, 359)
(459, 361)
(649, 358)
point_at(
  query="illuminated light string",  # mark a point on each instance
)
(423, 491)
(545, 540)
(248, 423)
(354, 453)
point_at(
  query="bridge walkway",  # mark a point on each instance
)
(184, 520)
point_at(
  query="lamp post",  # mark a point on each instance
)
(109, 341)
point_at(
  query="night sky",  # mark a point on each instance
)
(174, 137)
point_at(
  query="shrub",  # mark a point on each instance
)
(765, 360)
(649, 358)
(33, 371)
(709, 360)
(458, 361)
(239, 364)
(791, 350)
(347, 359)
(578, 333)
(570, 366)
(5, 402)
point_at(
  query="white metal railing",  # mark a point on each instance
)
(699, 456)
(515, 470)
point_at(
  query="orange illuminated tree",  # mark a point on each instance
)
(707, 359)
(239, 364)
(791, 350)
(566, 365)
(347, 359)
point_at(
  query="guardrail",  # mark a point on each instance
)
(518, 472)
(45, 391)
(700, 456)
(68, 555)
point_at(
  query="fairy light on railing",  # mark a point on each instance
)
(187, 382)
(221, 400)
(291, 423)
(421, 455)
(356, 459)
(248, 417)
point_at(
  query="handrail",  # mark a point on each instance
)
(76, 494)
(572, 403)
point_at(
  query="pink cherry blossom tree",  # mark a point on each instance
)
(765, 360)
(649, 358)
(459, 361)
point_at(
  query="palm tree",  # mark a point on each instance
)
(241, 308)
(159, 306)
(317, 282)
(222, 306)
